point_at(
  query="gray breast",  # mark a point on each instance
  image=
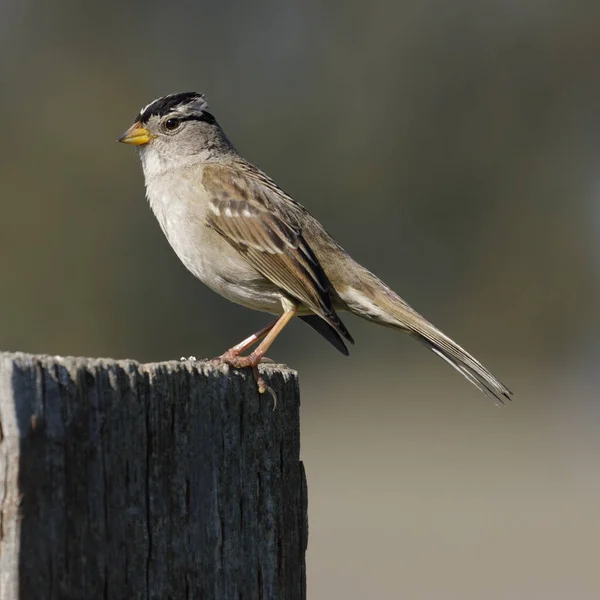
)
(180, 206)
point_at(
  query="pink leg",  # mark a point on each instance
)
(249, 341)
(270, 332)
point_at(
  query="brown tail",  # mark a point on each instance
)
(465, 364)
(376, 302)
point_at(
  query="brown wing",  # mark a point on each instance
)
(266, 232)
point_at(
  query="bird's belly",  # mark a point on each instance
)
(220, 268)
(239, 282)
(204, 252)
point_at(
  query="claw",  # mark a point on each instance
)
(265, 360)
(269, 333)
(242, 362)
(263, 387)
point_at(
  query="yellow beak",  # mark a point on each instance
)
(137, 135)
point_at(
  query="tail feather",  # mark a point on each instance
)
(461, 360)
(380, 304)
(327, 331)
(481, 378)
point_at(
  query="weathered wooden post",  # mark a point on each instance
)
(165, 481)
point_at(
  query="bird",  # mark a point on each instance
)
(245, 238)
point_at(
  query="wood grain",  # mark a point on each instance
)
(169, 480)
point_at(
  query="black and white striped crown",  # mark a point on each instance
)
(185, 104)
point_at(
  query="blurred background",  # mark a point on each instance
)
(451, 147)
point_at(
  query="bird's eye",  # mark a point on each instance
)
(172, 124)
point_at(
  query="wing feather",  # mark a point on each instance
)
(245, 210)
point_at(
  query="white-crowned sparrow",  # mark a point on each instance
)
(245, 238)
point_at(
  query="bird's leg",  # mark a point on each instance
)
(270, 332)
(249, 341)
(259, 352)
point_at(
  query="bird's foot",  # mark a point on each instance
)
(236, 361)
